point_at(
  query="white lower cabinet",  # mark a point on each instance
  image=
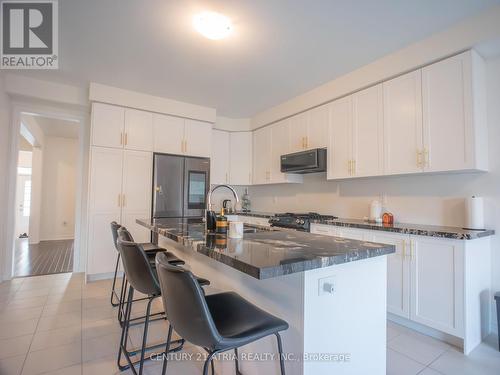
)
(436, 282)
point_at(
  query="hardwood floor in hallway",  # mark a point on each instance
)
(44, 258)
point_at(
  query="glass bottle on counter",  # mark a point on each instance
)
(221, 223)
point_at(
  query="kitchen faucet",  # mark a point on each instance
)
(210, 214)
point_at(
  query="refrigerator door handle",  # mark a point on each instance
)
(159, 190)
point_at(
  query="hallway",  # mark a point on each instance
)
(46, 257)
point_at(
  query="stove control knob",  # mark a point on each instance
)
(297, 221)
(302, 221)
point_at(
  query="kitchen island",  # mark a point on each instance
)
(332, 292)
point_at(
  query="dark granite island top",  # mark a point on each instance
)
(268, 252)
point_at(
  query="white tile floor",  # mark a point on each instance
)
(57, 324)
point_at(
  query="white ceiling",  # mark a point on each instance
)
(52, 127)
(279, 48)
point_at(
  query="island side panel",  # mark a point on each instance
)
(351, 320)
(281, 296)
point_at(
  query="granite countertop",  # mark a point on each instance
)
(405, 228)
(415, 229)
(267, 253)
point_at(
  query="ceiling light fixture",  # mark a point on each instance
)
(212, 25)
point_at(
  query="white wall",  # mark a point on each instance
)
(4, 149)
(424, 199)
(57, 215)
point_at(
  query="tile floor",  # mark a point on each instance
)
(58, 325)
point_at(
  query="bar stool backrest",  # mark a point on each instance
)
(138, 271)
(185, 304)
(114, 231)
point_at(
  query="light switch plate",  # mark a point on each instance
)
(326, 286)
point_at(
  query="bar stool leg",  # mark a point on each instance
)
(113, 292)
(280, 350)
(209, 360)
(236, 364)
(145, 335)
(124, 336)
(167, 348)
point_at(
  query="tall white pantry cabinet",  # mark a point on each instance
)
(120, 172)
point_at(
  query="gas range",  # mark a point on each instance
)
(297, 221)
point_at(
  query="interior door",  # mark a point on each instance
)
(168, 185)
(340, 138)
(168, 132)
(23, 204)
(136, 192)
(196, 185)
(403, 124)
(138, 130)
(368, 132)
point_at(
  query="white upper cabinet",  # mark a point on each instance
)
(280, 145)
(453, 116)
(107, 125)
(340, 139)
(262, 155)
(309, 130)
(197, 138)
(317, 130)
(138, 130)
(240, 158)
(219, 162)
(175, 135)
(367, 131)
(168, 134)
(298, 131)
(403, 124)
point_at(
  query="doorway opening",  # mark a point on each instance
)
(45, 197)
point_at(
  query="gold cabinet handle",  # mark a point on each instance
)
(307, 142)
(349, 167)
(411, 250)
(404, 250)
(126, 138)
(119, 200)
(123, 200)
(354, 167)
(121, 138)
(185, 146)
(426, 157)
(419, 158)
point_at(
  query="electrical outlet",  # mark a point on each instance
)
(326, 286)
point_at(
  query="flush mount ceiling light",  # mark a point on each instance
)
(212, 25)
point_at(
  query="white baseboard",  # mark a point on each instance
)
(452, 340)
(58, 238)
(102, 276)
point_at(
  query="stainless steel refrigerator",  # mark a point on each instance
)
(180, 186)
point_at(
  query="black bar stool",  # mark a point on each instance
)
(218, 322)
(125, 235)
(149, 248)
(141, 276)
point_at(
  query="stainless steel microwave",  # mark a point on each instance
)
(310, 161)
